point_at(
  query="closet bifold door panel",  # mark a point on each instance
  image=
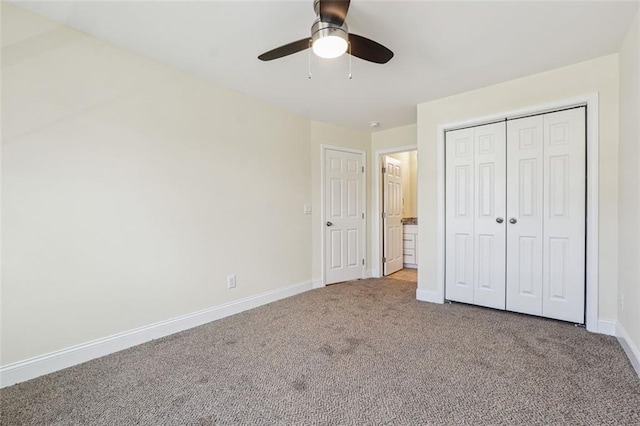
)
(475, 208)
(459, 215)
(524, 214)
(563, 264)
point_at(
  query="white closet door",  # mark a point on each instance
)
(524, 214)
(564, 215)
(459, 205)
(489, 226)
(531, 173)
(393, 230)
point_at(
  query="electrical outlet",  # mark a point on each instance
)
(307, 209)
(231, 281)
(621, 301)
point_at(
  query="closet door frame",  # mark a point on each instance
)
(591, 258)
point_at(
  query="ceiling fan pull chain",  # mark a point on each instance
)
(350, 76)
(309, 59)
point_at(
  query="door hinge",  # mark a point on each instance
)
(384, 215)
(384, 170)
(384, 260)
(363, 261)
(362, 169)
(363, 215)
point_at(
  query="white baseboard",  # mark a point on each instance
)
(44, 364)
(629, 347)
(368, 273)
(607, 326)
(429, 296)
(317, 283)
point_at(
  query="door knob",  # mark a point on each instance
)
(499, 220)
(329, 224)
(513, 220)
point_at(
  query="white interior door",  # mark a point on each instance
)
(563, 283)
(490, 226)
(392, 216)
(344, 216)
(524, 214)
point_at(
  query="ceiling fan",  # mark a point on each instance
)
(330, 37)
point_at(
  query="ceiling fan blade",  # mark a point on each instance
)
(333, 11)
(369, 50)
(287, 49)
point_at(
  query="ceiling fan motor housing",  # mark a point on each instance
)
(321, 29)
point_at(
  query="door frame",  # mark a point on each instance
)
(363, 200)
(376, 243)
(592, 145)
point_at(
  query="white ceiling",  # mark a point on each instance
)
(441, 48)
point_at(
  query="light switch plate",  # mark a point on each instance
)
(307, 209)
(231, 281)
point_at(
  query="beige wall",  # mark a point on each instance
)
(598, 75)
(412, 209)
(394, 138)
(131, 190)
(629, 181)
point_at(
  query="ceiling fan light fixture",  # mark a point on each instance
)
(330, 47)
(329, 40)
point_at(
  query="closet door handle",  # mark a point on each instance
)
(513, 220)
(499, 220)
(329, 224)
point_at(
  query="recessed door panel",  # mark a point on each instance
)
(463, 273)
(335, 241)
(527, 273)
(463, 191)
(558, 262)
(486, 188)
(352, 247)
(529, 185)
(558, 186)
(353, 198)
(485, 262)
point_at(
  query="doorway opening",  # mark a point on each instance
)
(397, 190)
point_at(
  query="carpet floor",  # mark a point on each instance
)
(363, 352)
